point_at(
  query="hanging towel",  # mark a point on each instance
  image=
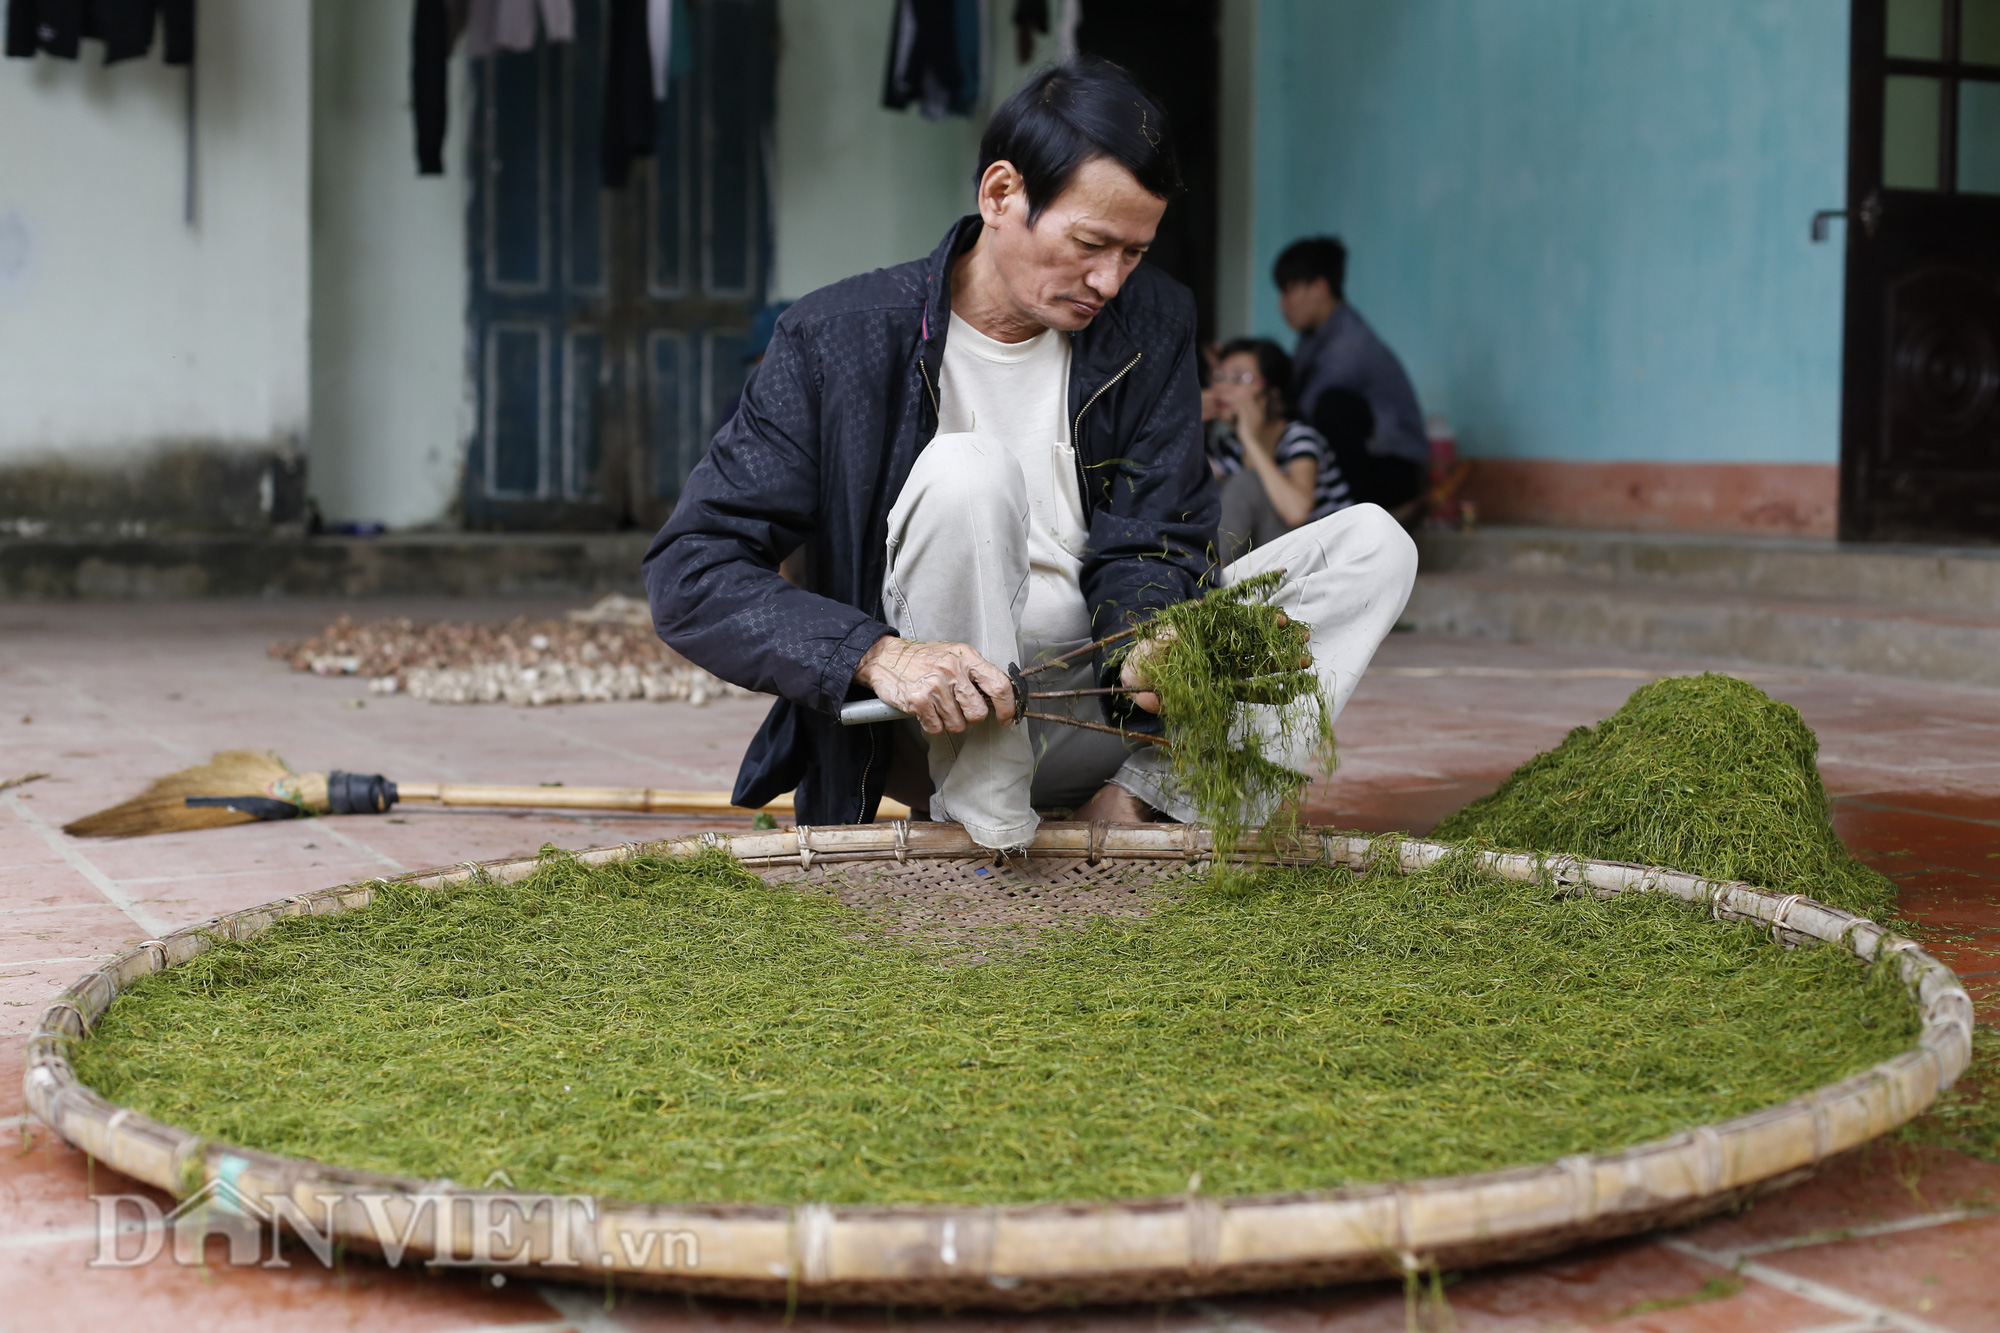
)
(628, 92)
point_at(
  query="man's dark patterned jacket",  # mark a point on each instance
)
(828, 431)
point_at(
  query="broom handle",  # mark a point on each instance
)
(642, 800)
(645, 800)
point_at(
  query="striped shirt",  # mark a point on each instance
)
(1331, 492)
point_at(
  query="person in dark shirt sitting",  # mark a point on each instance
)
(1338, 351)
(1277, 473)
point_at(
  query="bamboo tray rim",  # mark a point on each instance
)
(1035, 1254)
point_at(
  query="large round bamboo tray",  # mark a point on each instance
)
(1031, 1255)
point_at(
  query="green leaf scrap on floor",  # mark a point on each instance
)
(1706, 774)
(678, 1029)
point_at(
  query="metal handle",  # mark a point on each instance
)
(1820, 219)
(864, 711)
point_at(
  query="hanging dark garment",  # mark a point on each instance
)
(177, 31)
(22, 41)
(53, 27)
(628, 92)
(126, 27)
(1031, 18)
(925, 65)
(430, 81)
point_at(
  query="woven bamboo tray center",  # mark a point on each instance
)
(984, 906)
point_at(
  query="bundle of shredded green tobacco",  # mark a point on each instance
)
(682, 1030)
(1706, 774)
(1206, 659)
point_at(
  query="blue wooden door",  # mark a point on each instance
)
(607, 327)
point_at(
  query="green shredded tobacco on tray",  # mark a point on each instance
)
(1706, 774)
(678, 1029)
(1208, 658)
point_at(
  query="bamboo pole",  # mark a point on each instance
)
(639, 800)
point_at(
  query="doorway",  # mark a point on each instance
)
(1920, 412)
(1174, 48)
(607, 327)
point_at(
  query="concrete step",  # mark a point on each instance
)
(1929, 613)
(457, 564)
(1943, 577)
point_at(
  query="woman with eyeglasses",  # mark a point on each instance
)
(1277, 473)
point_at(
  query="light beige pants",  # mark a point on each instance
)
(958, 573)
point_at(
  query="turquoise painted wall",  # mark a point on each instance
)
(1582, 223)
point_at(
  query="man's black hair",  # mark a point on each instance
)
(1070, 113)
(1313, 257)
(1274, 363)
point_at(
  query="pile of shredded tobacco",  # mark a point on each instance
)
(1706, 774)
(1207, 659)
(679, 1029)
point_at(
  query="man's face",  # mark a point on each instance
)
(1061, 271)
(1306, 305)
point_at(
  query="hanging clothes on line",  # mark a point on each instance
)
(667, 37)
(433, 29)
(629, 114)
(489, 27)
(126, 27)
(1031, 18)
(936, 51)
(509, 25)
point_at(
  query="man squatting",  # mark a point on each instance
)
(991, 455)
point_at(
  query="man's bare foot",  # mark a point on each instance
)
(1116, 805)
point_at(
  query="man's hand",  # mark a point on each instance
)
(945, 686)
(1132, 674)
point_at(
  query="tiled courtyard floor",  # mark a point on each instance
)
(104, 697)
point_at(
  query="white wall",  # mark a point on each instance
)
(390, 407)
(121, 326)
(859, 186)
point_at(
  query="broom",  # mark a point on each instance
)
(244, 786)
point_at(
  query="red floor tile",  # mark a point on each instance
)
(1957, 805)
(1885, 1181)
(1882, 825)
(1970, 956)
(46, 1185)
(1382, 808)
(1628, 1286)
(53, 1286)
(1918, 766)
(99, 931)
(1951, 900)
(1942, 1275)
(653, 1312)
